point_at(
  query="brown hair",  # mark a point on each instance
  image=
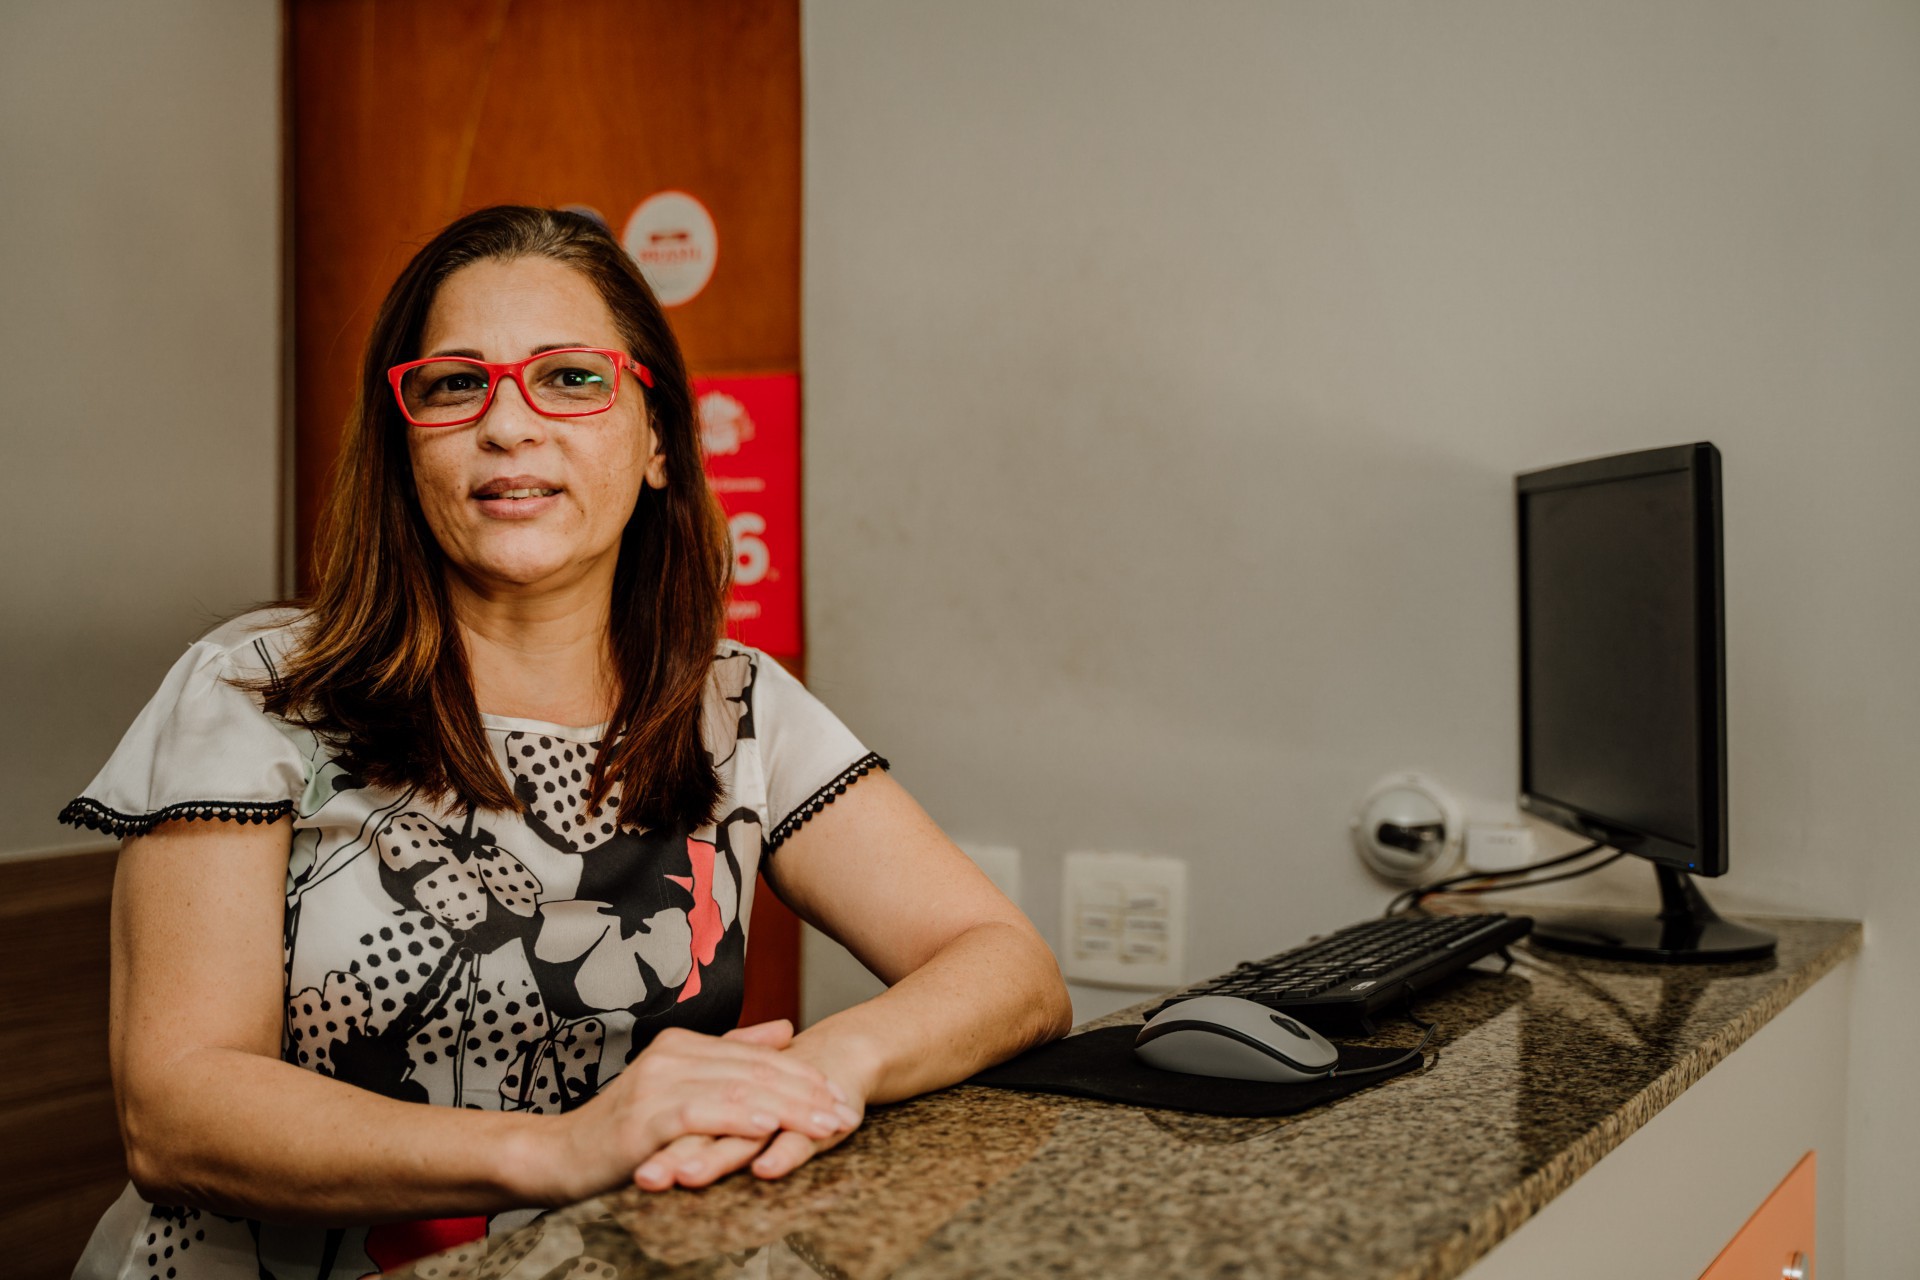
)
(380, 670)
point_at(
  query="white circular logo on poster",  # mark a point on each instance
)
(672, 236)
(725, 424)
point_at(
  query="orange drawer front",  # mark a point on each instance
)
(1779, 1233)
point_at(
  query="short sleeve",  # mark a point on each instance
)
(809, 757)
(201, 748)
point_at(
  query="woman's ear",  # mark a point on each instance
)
(656, 476)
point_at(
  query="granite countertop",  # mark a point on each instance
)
(1540, 1071)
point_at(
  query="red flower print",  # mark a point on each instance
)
(704, 916)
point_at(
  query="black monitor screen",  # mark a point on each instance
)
(1615, 728)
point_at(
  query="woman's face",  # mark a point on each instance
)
(594, 467)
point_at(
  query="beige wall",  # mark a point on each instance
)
(139, 314)
(1168, 366)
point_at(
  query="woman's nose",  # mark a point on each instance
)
(510, 421)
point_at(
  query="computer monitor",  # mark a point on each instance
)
(1623, 686)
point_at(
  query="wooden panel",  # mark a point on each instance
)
(53, 1006)
(773, 970)
(1778, 1232)
(60, 1158)
(61, 1141)
(407, 113)
(45, 1231)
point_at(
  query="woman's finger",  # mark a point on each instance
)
(746, 1113)
(693, 1161)
(720, 1157)
(747, 1073)
(777, 1034)
(741, 1074)
(784, 1154)
(739, 1052)
(662, 1169)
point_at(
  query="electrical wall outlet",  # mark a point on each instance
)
(1499, 846)
(1124, 920)
(1000, 862)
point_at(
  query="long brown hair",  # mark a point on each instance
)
(380, 670)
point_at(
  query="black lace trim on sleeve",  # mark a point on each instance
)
(823, 797)
(87, 812)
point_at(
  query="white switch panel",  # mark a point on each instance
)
(1124, 920)
(1000, 862)
(1503, 846)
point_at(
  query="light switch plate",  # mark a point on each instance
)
(1124, 920)
(1504, 846)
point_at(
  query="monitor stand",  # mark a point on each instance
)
(1687, 930)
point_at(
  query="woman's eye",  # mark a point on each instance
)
(579, 378)
(454, 384)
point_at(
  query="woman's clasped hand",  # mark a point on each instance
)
(693, 1108)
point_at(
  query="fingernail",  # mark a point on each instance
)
(848, 1117)
(693, 1168)
(821, 1120)
(761, 1120)
(649, 1173)
(839, 1094)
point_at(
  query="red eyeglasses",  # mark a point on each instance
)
(573, 382)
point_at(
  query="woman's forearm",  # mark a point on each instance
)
(243, 1134)
(991, 993)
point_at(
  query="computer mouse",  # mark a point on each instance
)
(1236, 1039)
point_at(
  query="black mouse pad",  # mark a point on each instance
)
(1100, 1064)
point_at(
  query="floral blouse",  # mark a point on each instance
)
(489, 960)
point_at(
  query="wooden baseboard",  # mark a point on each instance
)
(44, 1234)
(61, 1162)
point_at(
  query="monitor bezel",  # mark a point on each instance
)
(1702, 462)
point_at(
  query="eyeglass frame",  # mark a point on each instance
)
(497, 373)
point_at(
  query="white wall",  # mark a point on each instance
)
(140, 320)
(1168, 366)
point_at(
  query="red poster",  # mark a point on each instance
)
(750, 429)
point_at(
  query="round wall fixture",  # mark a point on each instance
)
(671, 236)
(1408, 829)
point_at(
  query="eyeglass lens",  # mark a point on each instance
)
(564, 382)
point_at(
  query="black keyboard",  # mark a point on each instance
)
(1338, 982)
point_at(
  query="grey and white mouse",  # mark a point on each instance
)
(1234, 1038)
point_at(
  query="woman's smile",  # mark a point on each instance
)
(517, 497)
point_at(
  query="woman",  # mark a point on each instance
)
(479, 826)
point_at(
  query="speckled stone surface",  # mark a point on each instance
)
(1540, 1071)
